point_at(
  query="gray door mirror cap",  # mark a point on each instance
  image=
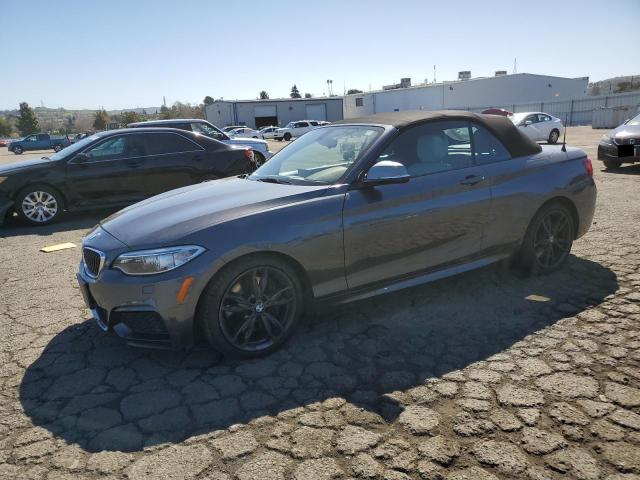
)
(385, 172)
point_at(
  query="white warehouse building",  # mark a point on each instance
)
(475, 94)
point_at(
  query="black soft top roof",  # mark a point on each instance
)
(513, 139)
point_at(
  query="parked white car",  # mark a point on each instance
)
(267, 132)
(244, 132)
(295, 129)
(539, 126)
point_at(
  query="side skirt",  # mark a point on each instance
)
(413, 281)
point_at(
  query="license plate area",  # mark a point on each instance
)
(626, 150)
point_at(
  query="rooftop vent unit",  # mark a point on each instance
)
(404, 83)
(500, 73)
(464, 75)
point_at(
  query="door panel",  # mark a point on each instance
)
(437, 218)
(113, 174)
(395, 230)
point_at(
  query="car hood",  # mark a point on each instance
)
(625, 131)
(167, 218)
(15, 167)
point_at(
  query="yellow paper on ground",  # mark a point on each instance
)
(60, 246)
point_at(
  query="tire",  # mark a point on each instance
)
(38, 205)
(259, 159)
(18, 150)
(279, 139)
(228, 307)
(548, 240)
(553, 136)
(287, 136)
(57, 147)
(255, 136)
(612, 164)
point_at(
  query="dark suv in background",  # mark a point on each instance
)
(198, 125)
(115, 168)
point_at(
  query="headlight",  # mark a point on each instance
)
(149, 262)
(606, 140)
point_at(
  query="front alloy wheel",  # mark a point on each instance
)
(38, 206)
(252, 308)
(554, 136)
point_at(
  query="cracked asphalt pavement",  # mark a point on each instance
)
(490, 374)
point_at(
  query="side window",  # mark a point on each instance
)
(532, 119)
(166, 143)
(359, 101)
(42, 137)
(315, 124)
(486, 147)
(432, 147)
(31, 138)
(543, 118)
(111, 149)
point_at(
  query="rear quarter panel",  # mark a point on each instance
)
(519, 187)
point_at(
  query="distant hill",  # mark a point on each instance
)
(627, 83)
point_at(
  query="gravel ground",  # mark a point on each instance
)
(486, 375)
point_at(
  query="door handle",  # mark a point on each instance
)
(472, 180)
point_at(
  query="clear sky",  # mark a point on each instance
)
(129, 53)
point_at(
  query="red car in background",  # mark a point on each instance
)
(498, 111)
(4, 142)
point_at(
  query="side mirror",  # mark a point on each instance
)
(385, 172)
(81, 158)
(527, 123)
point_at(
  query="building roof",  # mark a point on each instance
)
(278, 100)
(513, 139)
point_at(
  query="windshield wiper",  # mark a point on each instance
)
(274, 179)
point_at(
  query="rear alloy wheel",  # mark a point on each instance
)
(57, 148)
(252, 308)
(611, 164)
(38, 205)
(287, 136)
(548, 240)
(17, 150)
(259, 158)
(554, 136)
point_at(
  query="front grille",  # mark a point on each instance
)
(627, 141)
(93, 261)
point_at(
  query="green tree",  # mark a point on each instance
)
(352, 91)
(307, 95)
(130, 117)
(5, 127)
(165, 113)
(295, 93)
(100, 120)
(208, 100)
(28, 122)
(264, 95)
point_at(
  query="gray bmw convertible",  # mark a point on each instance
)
(347, 211)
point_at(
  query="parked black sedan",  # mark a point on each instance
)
(354, 209)
(115, 168)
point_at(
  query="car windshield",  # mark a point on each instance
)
(73, 148)
(322, 156)
(517, 117)
(635, 120)
(290, 125)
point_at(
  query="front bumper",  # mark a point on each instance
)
(611, 152)
(144, 310)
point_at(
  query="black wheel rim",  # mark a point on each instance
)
(257, 309)
(553, 238)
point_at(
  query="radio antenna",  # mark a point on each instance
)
(564, 138)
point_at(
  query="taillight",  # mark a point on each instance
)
(250, 156)
(588, 166)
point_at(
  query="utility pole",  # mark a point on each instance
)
(434, 74)
(515, 65)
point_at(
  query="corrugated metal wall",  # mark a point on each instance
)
(574, 112)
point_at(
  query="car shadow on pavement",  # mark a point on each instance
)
(89, 388)
(70, 221)
(625, 169)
